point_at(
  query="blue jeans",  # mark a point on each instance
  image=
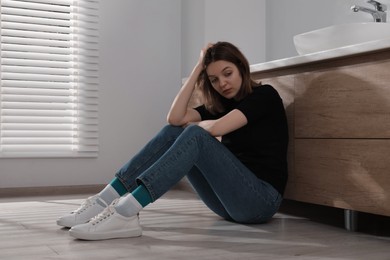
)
(222, 182)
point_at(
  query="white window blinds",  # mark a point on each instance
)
(49, 78)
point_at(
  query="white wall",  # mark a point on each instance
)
(139, 75)
(263, 29)
(239, 22)
(147, 47)
(286, 18)
(192, 31)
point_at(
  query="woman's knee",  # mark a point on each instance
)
(171, 131)
(195, 130)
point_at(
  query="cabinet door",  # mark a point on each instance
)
(350, 174)
(347, 102)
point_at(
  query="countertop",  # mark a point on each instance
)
(323, 55)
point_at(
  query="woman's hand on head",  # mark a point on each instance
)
(203, 52)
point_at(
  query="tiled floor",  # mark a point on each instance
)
(179, 226)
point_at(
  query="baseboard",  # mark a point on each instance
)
(50, 191)
(71, 190)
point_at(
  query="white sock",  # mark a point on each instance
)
(108, 194)
(128, 206)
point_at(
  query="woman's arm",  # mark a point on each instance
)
(180, 114)
(234, 120)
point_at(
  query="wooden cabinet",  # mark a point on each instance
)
(345, 102)
(344, 173)
(339, 120)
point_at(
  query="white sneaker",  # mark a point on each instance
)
(107, 225)
(88, 209)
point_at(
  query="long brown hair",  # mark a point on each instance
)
(230, 53)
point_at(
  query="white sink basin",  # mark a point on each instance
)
(338, 36)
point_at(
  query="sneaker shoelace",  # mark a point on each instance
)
(89, 202)
(107, 212)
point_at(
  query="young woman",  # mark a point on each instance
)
(232, 150)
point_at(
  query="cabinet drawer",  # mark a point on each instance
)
(349, 174)
(345, 102)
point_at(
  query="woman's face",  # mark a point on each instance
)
(225, 78)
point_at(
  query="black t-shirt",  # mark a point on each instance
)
(261, 145)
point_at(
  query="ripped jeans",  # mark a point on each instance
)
(221, 181)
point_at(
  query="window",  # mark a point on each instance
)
(49, 78)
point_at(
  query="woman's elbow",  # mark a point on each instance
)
(174, 121)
